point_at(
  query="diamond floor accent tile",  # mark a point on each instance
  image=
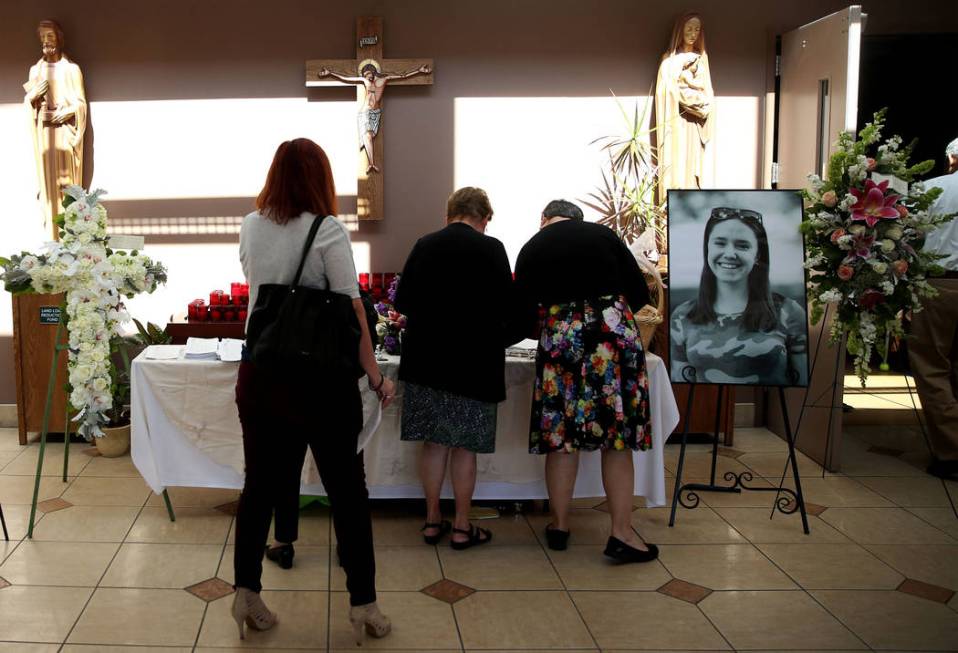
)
(448, 590)
(684, 590)
(4, 582)
(813, 509)
(52, 505)
(210, 589)
(885, 451)
(926, 590)
(229, 508)
(729, 452)
(604, 506)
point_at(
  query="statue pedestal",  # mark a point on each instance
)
(35, 320)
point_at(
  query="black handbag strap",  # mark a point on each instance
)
(317, 221)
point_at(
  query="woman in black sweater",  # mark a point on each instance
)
(452, 408)
(576, 286)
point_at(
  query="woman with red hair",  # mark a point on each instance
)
(283, 414)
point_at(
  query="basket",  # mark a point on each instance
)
(649, 317)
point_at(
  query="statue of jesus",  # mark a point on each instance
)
(370, 115)
(56, 103)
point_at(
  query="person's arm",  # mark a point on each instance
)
(341, 274)
(326, 72)
(795, 325)
(422, 70)
(504, 292)
(406, 289)
(523, 312)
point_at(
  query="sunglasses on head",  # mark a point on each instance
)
(725, 213)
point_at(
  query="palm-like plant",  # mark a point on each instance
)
(627, 199)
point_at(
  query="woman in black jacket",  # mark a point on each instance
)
(452, 408)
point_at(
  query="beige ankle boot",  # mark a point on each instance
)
(369, 618)
(249, 610)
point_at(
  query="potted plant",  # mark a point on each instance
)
(115, 441)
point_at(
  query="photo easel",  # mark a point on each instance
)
(786, 501)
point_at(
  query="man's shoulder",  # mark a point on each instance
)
(944, 181)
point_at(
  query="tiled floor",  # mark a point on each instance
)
(107, 571)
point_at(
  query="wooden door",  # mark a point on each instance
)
(817, 98)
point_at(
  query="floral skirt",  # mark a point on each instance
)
(591, 389)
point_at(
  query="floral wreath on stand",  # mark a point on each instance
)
(95, 279)
(865, 229)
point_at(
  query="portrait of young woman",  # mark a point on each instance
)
(738, 313)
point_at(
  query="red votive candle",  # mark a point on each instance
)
(364, 281)
(242, 314)
(216, 298)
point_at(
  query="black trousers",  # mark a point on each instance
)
(281, 417)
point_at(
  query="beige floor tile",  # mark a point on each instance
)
(771, 465)
(111, 467)
(195, 497)
(7, 456)
(192, 526)
(310, 570)
(587, 526)
(585, 568)
(19, 489)
(314, 529)
(724, 567)
(8, 547)
(104, 648)
(512, 620)
(893, 620)
(953, 603)
(21, 647)
(910, 491)
(302, 623)
(78, 564)
(929, 563)
(699, 526)
(754, 524)
(396, 530)
(419, 622)
(95, 491)
(699, 464)
(40, 614)
(9, 439)
(148, 617)
(500, 568)
(839, 492)
(26, 463)
(162, 566)
(942, 518)
(758, 440)
(832, 566)
(646, 620)
(884, 526)
(18, 519)
(792, 619)
(398, 568)
(865, 463)
(86, 524)
(509, 530)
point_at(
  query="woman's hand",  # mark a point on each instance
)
(387, 392)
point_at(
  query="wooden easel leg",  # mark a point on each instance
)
(43, 432)
(800, 497)
(3, 522)
(169, 505)
(678, 469)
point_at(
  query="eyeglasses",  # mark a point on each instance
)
(721, 213)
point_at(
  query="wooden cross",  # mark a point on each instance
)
(371, 74)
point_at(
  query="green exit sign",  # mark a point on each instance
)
(49, 315)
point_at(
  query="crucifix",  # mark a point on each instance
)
(371, 74)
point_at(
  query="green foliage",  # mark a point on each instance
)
(151, 334)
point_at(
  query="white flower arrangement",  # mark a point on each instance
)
(95, 280)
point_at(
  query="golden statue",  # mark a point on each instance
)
(57, 108)
(684, 109)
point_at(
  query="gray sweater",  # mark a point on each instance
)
(269, 253)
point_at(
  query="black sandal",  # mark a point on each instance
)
(444, 527)
(475, 537)
(622, 552)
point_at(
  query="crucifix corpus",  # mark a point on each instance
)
(371, 73)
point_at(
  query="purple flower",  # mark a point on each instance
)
(391, 291)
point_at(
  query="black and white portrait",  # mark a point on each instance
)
(737, 305)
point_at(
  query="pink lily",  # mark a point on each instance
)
(872, 204)
(861, 247)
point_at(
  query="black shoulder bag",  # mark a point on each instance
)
(300, 330)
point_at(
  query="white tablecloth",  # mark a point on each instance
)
(186, 432)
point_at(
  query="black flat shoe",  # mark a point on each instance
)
(444, 527)
(619, 550)
(556, 539)
(281, 555)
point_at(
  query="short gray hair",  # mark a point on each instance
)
(562, 209)
(952, 148)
